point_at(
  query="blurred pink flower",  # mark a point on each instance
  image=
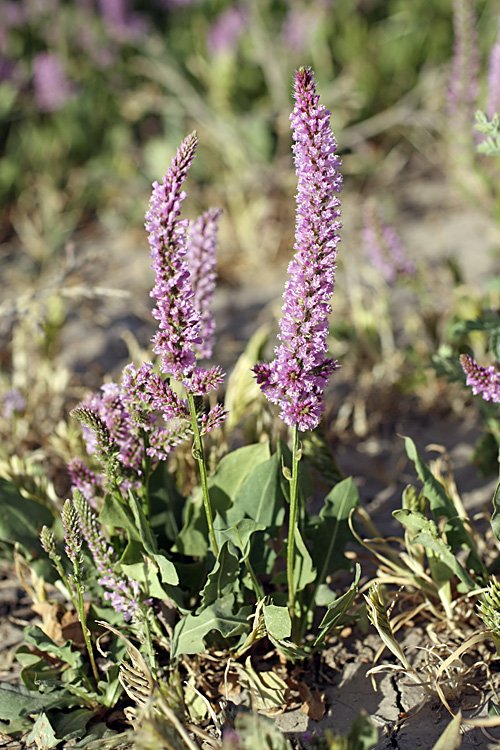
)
(120, 21)
(493, 100)
(52, 88)
(225, 32)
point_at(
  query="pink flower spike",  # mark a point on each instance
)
(179, 331)
(297, 377)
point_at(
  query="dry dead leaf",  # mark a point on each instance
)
(59, 623)
(313, 704)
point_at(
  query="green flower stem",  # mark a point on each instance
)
(145, 484)
(255, 581)
(200, 457)
(292, 524)
(81, 614)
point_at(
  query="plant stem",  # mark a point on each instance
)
(255, 581)
(145, 486)
(83, 623)
(200, 457)
(292, 523)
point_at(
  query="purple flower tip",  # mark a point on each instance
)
(484, 380)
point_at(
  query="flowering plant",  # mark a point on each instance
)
(188, 566)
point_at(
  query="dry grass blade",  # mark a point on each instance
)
(136, 679)
(490, 721)
(139, 684)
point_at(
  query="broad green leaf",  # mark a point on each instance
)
(235, 468)
(338, 609)
(189, 633)
(224, 485)
(239, 534)
(425, 533)
(116, 514)
(34, 636)
(166, 506)
(290, 650)
(303, 568)
(146, 573)
(144, 567)
(72, 725)
(331, 533)
(143, 526)
(193, 537)
(192, 578)
(260, 496)
(42, 735)
(495, 516)
(222, 579)
(21, 518)
(278, 621)
(324, 596)
(166, 568)
(17, 703)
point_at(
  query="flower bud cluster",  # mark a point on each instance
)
(122, 592)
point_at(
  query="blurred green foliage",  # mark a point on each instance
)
(135, 77)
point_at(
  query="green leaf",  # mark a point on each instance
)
(34, 636)
(142, 524)
(222, 578)
(21, 518)
(495, 516)
(239, 534)
(223, 486)
(434, 491)
(189, 633)
(42, 734)
(303, 568)
(17, 703)
(260, 496)
(451, 739)
(166, 506)
(145, 572)
(338, 609)
(235, 468)
(193, 537)
(72, 725)
(166, 568)
(332, 532)
(493, 708)
(457, 533)
(116, 514)
(425, 533)
(278, 621)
